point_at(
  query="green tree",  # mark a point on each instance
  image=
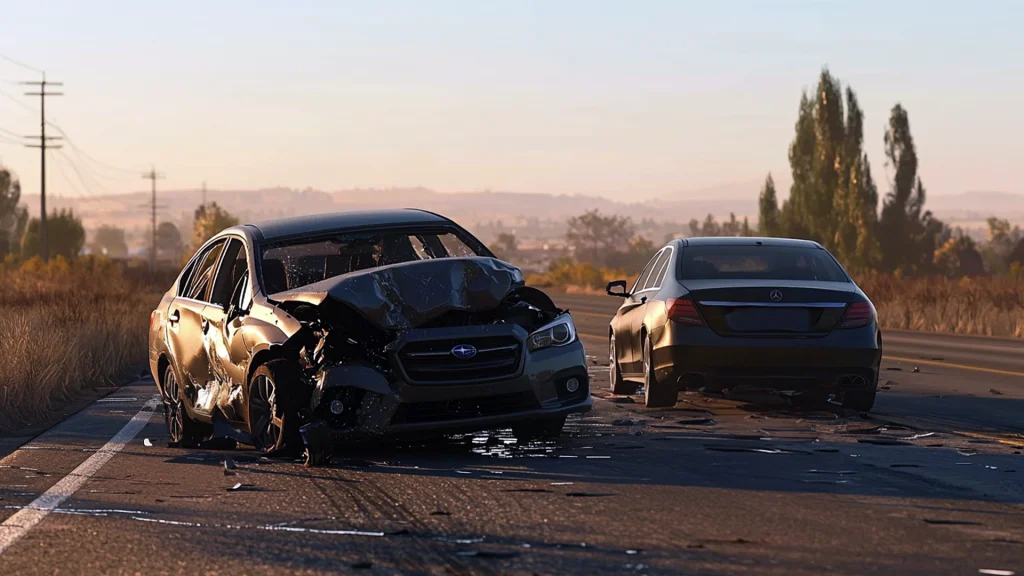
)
(65, 235)
(109, 241)
(596, 238)
(958, 256)
(747, 230)
(168, 242)
(208, 220)
(1003, 239)
(13, 216)
(909, 234)
(505, 246)
(856, 200)
(768, 219)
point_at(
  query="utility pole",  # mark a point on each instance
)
(43, 139)
(152, 176)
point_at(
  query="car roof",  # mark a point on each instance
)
(749, 241)
(340, 221)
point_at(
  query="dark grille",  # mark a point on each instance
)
(432, 361)
(463, 408)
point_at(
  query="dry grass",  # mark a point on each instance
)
(64, 327)
(980, 306)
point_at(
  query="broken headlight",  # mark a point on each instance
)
(557, 333)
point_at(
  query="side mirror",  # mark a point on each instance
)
(623, 293)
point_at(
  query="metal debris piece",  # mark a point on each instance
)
(696, 422)
(966, 452)
(996, 572)
(622, 422)
(361, 565)
(916, 369)
(486, 554)
(229, 463)
(895, 369)
(752, 449)
(235, 488)
(884, 441)
(995, 392)
(904, 465)
(588, 494)
(946, 521)
(839, 472)
(921, 435)
(147, 443)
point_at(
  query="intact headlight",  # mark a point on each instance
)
(557, 333)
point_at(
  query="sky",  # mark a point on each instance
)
(627, 100)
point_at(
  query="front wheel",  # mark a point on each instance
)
(273, 423)
(656, 394)
(618, 384)
(543, 429)
(183, 430)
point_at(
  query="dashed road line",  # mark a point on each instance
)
(24, 520)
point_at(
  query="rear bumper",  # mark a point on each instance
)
(697, 358)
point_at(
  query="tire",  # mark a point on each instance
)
(656, 394)
(860, 400)
(273, 420)
(618, 385)
(544, 429)
(184, 431)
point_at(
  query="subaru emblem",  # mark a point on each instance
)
(464, 351)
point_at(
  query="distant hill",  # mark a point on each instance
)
(475, 210)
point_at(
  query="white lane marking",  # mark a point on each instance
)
(24, 520)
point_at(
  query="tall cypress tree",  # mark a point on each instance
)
(768, 223)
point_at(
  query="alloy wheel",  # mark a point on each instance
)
(267, 423)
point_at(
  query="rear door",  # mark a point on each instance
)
(185, 325)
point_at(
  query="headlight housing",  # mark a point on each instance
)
(559, 332)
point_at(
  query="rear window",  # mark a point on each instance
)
(758, 263)
(300, 263)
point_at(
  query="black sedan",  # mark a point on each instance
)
(301, 332)
(727, 315)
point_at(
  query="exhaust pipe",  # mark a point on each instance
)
(859, 382)
(852, 381)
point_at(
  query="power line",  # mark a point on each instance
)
(78, 172)
(22, 64)
(43, 145)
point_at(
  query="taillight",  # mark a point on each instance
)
(683, 311)
(858, 314)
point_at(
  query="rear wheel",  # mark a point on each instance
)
(618, 384)
(543, 429)
(183, 430)
(656, 394)
(273, 422)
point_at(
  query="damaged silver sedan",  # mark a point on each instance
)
(300, 333)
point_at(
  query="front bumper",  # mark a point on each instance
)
(696, 358)
(378, 405)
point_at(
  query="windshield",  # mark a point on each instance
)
(304, 262)
(758, 263)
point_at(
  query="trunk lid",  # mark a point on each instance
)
(785, 308)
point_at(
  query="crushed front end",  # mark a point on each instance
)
(433, 348)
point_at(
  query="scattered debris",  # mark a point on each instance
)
(622, 400)
(921, 435)
(527, 490)
(966, 452)
(147, 443)
(996, 392)
(752, 449)
(884, 441)
(235, 488)
(562, 483)
(622, 422)
(229, 465)
(631, 552)
(904, 465)
(826, 481)
(828, 450)
(696, 422)
(895, 369)
(838, 472)
(361, 565)
(948, 522)
(486, 554)
(588, 494)
(440, 513)
(916, 369)
(996, 572)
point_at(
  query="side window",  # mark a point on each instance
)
(199, 284)
(186, 276)
(643, 275)
(232, 266)
(243, 298)
(658, 275)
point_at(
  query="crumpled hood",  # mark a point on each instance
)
(410, 294)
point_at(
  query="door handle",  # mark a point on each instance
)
(174, 317)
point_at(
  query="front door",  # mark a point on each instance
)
(187, 328)
(223, 338)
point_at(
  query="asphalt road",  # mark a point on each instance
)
(930, 483)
